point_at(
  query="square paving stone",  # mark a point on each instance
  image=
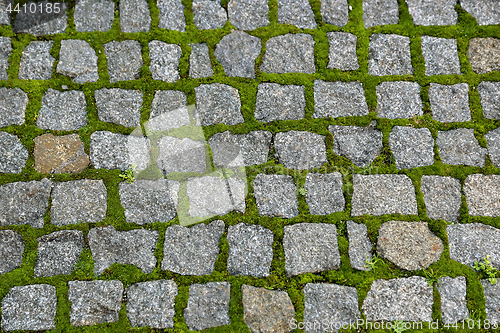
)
(13, 154)
(124, 60)
(171, 15)
(310, 248)
(342, 54)
(399, 99)
(62, 110)
(330, 305)
(276, 195)
(41, 22)
(290, 53)
(94, 15)
(134, 16)
(493, 139)
(440, 55)
(11, 250)
(237, 52)
(300, 149)
(168, 111)
(31, 307)
(383, 194)
(119, 106)
(152, 304)
(36, 61)
(181, 155)
(460, 147)
(360, 246)
(5, 51)
(218, 103)
(279, 102)
(208, 14)
(94, 302)
(164, 59)
(296, 12)
(389, 55)
(78, 60)
(324, 193)
(339, 99)
(486, 12)
(411, 147)
(78, 201)
(484, 54)
(442, 197)
(335, 12)
(250, 250)
(492, 301)
(24, 203)
(432, 12)
(490, 99)
(380, 12)
(248, 14)
(483, 195)
(208, 305)
(192, 251)
(13, 104)
(200, 65)
(453, 299)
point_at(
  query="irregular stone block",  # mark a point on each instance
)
(117, 151)
(279, 102)
(5, 51)
(460, 147)
(119, 106)
(382, 12)
(493, 139)
(486, 12)
(431, 12)
(168, 111)
(484, 54)
(78, 60)
(342, 54)
(300, 149)
(335, 12)
(4, 14)
(36, 61)
(13, 104)
(248, 14)
(124, 60)
(490, 99)
(208, 305)
(237, 52)
(94, 15)
(218, 103)
(453, 301)
(200, 65)
(483, 195)
(324, 193)
(13, 154)
(276, 196)
(450, 103)
(208, 14)
(389, 55)
(411, 147)
(62, 110)
(440, 55)
(181, 155)
(171, 15)
(296, 12)
(134, 16)
(399, 99)
(42, 22)
(11, 250)
(290, 53)
(59, 154)
(339, 99)
(164, 61)
(360, 246)
(442, 197)
(492, 301)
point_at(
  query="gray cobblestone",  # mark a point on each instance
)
(208, 305)
(335, 12)
(208, 14)
(124, 60)
(171, 15)
(300, 149)
(430, 12)
(453, 299)
(237, 52)
(119, 106)
(218, 103)
(342, 54)
(36, 61)
(440, 55)
(411, 147)
(5, 51)
(483, 195)
(296, 12)
(442, 197)
(134, 16)
(290, 53)
(11, 250)
(339, 99)
(389, 55)
(62, 111)
(380, 12)
(13, 154)
(248, 14)
(324, 193)
(200, 65)
(460, 147)
(489, 93)
(94, 15)
(279, 102)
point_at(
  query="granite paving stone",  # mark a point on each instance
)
(94, 302)
(267, 310)
(59, 154)
(78, 201)
(327, 305)
(279, 102)
(58, 252)
(168, 111)
(361, 145)
(339, 99)
(31, 307)
(218, 103)
(5, 51)
(460, 147)
(486, 12)
(134, 16)
(248, 14)
(484, 54)
(250, 250)
(192, 251)
(324, 193)
(432, 12)
(383, 194)
(237, 52)
(493, 139)
(492, 301)
(124, 60)
(442, 197)
(380, 12)
(399, 99)
(342, 54)
(440, 56)
(208, 14)
(450, 103)
(453, 299)
(335, 12)
(411, 147)
(5, 16)
(171, 15)
(483, 195)
(36, 61)
(151, 304)
(290, 53)
(360, 246)
(296, 12)
(11, 250)
(78, 60)
(181, 155)
(208, 305)
(41, 22)
(13, 154)
(389, 54)
(164, 59)
(119, 106)
(200, 65)
(24, 202)
(62, 110)
(310, 248)
(300, 149)
(276, 195)
(489, 93)
(94, 15)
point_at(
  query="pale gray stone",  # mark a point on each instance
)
(164, 61)
(290, 53)
(237, 52)
(181, 155)
(493, 139)
(41, 22)
(5, 51)
(218, 103)
(380, 12)
(279, 102)
(335, 12)
(276, 195)
(208, 14)
(442, 197)
(324, 193)
(296, 12)
(433, 12)
(62, 111)
(208, 305)
(389, 54)
(450, 103)
(492, 301)
(36, 61)
(11, 250)
(5, 16)
(13, 154)
(168, 111)
(440, 56)
(483, 195)
(119, 106)
(200, 65)
(124, 60)
(248, 14)
(342, 54)
(399, 99)
(134, 16)
(171, 15)
(360, 246)
(490, 99)
(484, 54)
(339, 99)
(460, 147)
(453, 299)
(78, 60)
(411, 147)
(486, 12)
(300, 149)
(94, 15)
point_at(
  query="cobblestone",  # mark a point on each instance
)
(399, 99)
(453, 299)
(486, 12)
(13, 155)
(119, 106)
(168, 111)
(94, 15)
(380, 12)
(429, 12)
(279, 102)
(248, 14)
(460, 147)
(296, 12)
(11, 250)
(440, 55)
(59, 154)
(62, 111)
(339, 99)
(342, 54)
(181, 155)
(442, 197)
(171, 15)
(164, 60)
(208, 305)
(276, 195)
(389, 55)
(218, 103)
(492, 301)
(483, 195)
(324, 193)
(78, 60)
(200, 65)
(484, 54)
(450, 103)
(124, 60)
(5, 52)
(36, 61)
(134, 16)
(411, 147)
(208, 14)
(300, 149)
(489, 93)
(237, 52)
(335, 12)
(360, 246)
(290, 53)
(13, 104)
(493, 139)
(41, 22)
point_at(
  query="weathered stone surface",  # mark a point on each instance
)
(453, 301)
(168, 111)
(279, 102)
(62, 110)
(208, 305)
(41, 22)
(24, 203)
(276, 195)
(460, 147)
(361, 145)
(483, 195)
(208, 14)
(442, 197)
(58, 252)
(13, 154)
(389, 54)
(78, 60)
(200, 65)
(300, 149)
(5, 16)
(310, 248)
(171, 15)
(237, 52)
(296, 12)
(399, 99)
(486, 12)
(409, 245)
(406, 299)
(329, 303)
(339, 99)
(440, 55)
(484, 54)
(192, 251)
(181, 155)
(31, 307)
(78, 201)
(342, 54)
(248, 14)
(134, 16)
(383, 194)
(335, 12)
(490, 99)
(431, 12)
(493, 139)
(380, 12)
(218, 103)
(119, 106)
(267, 310)
(324, 193)
(164, 59)
(411, 147)
(5, 51)
(124, 60)
(151, 304)
(450, 103)
(94, 302)
(94, 15)
(11, 250)
(360, 246)
(290, 53)
(59, 154)
(13, 104)
(492, 301)
(36, 61)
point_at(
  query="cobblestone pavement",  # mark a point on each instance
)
(249, 165)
